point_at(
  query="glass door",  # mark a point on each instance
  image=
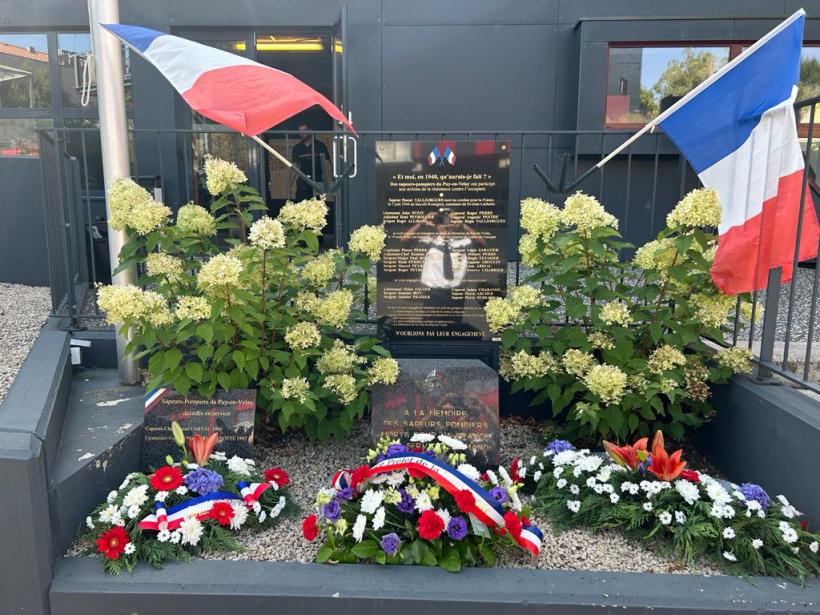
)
(342, 153)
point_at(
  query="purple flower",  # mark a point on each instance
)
(390, 543)
(559, 446)
(346, 493)
(332, 510)
(755, 492)
(396, 449)
(203, 481)
(499, 494)
(457, 528)
(407, 504)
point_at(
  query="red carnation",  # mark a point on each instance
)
(465, 501)
(804, 525)
(690, 475)
(430, 525)
(515, 467)
(166, 478)
(513, 523)
(525, 520)
(221, 512)
(358, 476)
(278, 476)
(484, 477)
(309, 529)
(111, 543)
(416, 449)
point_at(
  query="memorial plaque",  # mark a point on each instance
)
(444, 208)
(228, 413)
(456, 397)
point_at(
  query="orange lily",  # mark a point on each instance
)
(665, 466)
(626, 455)
(201, 448)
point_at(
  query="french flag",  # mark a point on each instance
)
(738, 132)
(234, 91)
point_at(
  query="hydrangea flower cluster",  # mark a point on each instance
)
(221, 175)
(195, 220)
(405, 516)
(127, 528)
(368, 240)
(652, 493)
(132, 207)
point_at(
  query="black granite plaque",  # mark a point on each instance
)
(444, 208)
(456, 397)
(228, 413)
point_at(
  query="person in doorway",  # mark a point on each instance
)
(445, 263)
(310, 156)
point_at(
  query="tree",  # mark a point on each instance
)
(681, 76)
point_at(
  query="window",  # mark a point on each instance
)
(643, 81)
(24, 71)
(18, 138)
(73, 50)
(809, 81)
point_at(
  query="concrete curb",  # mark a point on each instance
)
(215, 587)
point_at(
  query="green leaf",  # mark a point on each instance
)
(238, 358)
(206, 332)
(172, 358)
(450, 560)
(224, 379)
(365, 549)
(194, 371)
(324, 553)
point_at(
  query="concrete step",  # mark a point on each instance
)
(100, 444)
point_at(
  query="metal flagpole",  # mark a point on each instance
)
(114, 140)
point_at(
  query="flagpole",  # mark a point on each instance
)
(691, 94)
(286, 162)
(114, 143)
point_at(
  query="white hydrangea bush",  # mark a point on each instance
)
(271, 311)
(617, 345)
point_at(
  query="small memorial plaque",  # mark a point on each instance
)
(228, 413)
(456, 397)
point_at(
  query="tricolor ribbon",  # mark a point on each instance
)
(487, 510)
(198, 507)
(251, 492)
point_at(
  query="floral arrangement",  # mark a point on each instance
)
(185, 508)
(420, 504)
(617, 346)
(651, 494)
(271, 312)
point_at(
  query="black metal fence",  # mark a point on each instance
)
(639, 186)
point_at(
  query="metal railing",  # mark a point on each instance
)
(639, 186)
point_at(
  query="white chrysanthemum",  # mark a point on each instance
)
(181, 490)
(422, 437)
(279, 507)
(371, 500)
(190, 531)
(359, 527)
(453, 443)
(133, 512)
(160, 496)
(89, 523)
(107, 514)
(757, 543)
(470, 471)
(163, 536)
(423, 502)
(814, 546)
(378, 518)
(267, 233)
(136, 497)
(647, 506)
(221, 175)
(240, 515)
(240, 466)
(688, 491)
(574, 505)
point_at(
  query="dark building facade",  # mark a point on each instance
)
(556, 77)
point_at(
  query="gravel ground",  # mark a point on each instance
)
(23, 310)
(311, 465)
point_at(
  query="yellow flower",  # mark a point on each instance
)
(524, 297)
(601, 340)
(306, 302)
(334, 310)
(123, 196)
(121, 303)
(195, 308)
(295, 388)
(525, 365)
(340, 359)
(698, 208)
(320, 270)
(607, 382)
(713, 310)
(310, 215)
(196, 220)
(585, 213)
(161, 264)
(528, 250)
(341, 526)
(368, 240)
(539, 218)
(500, 313)
(158, 314)
(739, 360)
(665, 358)
(616, 312)
(267, 234)
(303, 335)
(746, 312)
(343, 385)
(384, 370)
(220, 274)
(221, 175)
(577, 362)
(656, 255)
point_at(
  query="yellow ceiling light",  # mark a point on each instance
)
(271, 42)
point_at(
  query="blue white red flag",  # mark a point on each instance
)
(450, 155)
(234, 91)
(738, 132)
